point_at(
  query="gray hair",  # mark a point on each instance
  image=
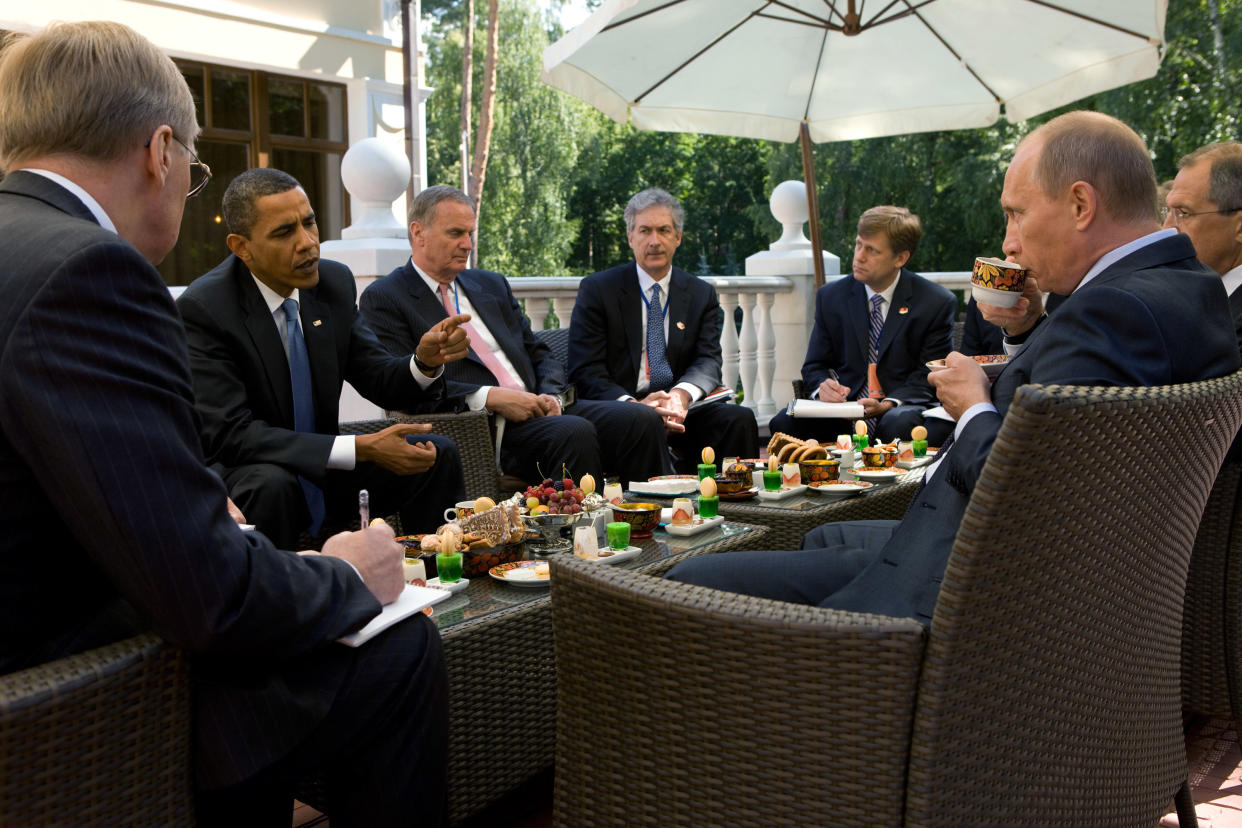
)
(237, 205)
(93, 89)
(654, 197)
(423, 206)
(1225, 175)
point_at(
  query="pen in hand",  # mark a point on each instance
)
(364, 509)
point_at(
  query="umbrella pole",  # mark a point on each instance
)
(812, 205)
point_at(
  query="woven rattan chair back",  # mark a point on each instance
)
(98, 738)
(1054, 651)
(1212, 620)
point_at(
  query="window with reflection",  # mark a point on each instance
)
(249, 119)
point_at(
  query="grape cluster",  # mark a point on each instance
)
(554, 497)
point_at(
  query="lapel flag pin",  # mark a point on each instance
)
(681, 326)
(319, 322)
(903, 310)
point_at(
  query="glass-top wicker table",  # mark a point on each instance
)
(502, 680)
(790, 518)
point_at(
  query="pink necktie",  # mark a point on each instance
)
(479, 346)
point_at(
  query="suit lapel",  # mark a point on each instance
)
(895, 320)
(632, 316)
(492, 315)
(265, 338)
(860, 319)
(677, 309)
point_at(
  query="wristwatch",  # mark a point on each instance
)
(422, 366)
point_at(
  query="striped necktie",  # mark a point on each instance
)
(873, 357)
(303, 403)
(486, 355)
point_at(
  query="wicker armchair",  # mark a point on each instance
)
(1052, 656)
(98, 738)
(1212, 621)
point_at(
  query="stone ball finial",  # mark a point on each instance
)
(788, 205)
(375, 170)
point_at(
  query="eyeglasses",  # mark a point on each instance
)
(1179, 215)
(200, 173)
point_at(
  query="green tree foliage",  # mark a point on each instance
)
(563, 172)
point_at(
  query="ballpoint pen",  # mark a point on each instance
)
(364, 509)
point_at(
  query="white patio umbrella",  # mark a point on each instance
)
(831, 70)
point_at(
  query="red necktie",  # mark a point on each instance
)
(479, 346)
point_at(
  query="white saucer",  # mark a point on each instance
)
(700, 525)
(455, 586)
(619, 555)
(785, 492)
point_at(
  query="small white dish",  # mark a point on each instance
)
(876, 474)
(699, 525)
(520, 573)
(786, 491)
(619, 555)
(844, 488)
(917, 462)
(455, 586)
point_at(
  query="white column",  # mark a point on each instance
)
(765, 357)
(563, 307)
(728, 341)
(746, 348)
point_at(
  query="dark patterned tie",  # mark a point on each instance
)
(659, 374)
(303, 403)
(873, 353)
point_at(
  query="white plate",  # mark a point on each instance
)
(785, 492)
(501, 571)
(916, 462)
(877, 474)
(842, 489)
(699, 525)
(455, 586)
(620, 555)
(992, 364)
(669, 487)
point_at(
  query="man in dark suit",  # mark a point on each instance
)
(509, 371)
(111, 523)
(280, 469)
(649, 332)
(1205, 203)
(1141, 310)
(886, 316)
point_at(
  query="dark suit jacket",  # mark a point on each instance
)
(1235, 309)
(1157, 317)
(980, 336)
(109, 518)
(241, 373)
(400, 308)
(606, 334)
(917, 329)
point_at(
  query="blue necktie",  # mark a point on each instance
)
(303, 403)
(873, 351)
(659, 374)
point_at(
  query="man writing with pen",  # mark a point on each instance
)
(273, 332)
(875, 333)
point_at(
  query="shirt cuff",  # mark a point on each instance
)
(343, 454)
(970, 413)
(477, 400)
(693, 390)
(422, 379)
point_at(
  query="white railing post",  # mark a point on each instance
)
(765, 357)
(746, 348)
(728, 341)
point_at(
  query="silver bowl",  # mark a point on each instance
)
(556, 532)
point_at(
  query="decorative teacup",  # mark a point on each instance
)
(464, 508)
(879, 457)
(816, 473)
(997, 282)
(642, 517)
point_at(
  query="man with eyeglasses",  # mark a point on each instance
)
(1205, 203)
(110, 522)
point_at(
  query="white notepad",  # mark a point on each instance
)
(411, 600)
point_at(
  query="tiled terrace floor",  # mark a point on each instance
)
(1212, 750)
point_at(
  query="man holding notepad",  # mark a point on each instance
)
(874, 335)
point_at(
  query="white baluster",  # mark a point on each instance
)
(765, 358)
(728, 341)
(563, 307)
(746, 348)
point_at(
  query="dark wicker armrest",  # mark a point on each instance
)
(101, 737)
(472, 433)
(732, 701)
